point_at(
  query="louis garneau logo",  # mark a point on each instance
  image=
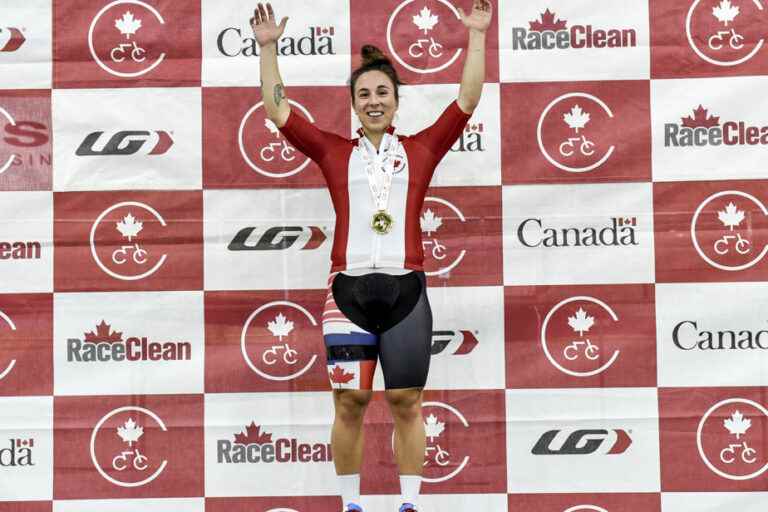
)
(277, 238)
(706, 129)
(17, 452)
(105, 344)
(18, 250)
(457, 343)
(257, 446)
(616, 232)
(583, 442)
(234, 41)
(11, 38)
(125, 142)
(551, 33)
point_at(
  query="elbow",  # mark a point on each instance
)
(468, 105)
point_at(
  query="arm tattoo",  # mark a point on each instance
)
(279, 95)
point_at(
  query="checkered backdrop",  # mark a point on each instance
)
(594, 243)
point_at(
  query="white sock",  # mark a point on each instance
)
(350, 489)
(409, 488)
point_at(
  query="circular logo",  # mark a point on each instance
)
(5, 318)
(566, 132)
(121, 449)
(727, 230)
(441, 236)
(122, 237)
(271, 341)
(264, 148)
(569, 336)
(731, 439)
(723, 33)
(126, 38)
(421, 36)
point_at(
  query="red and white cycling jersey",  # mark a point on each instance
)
(355, 244)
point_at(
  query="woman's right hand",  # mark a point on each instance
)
(265, 30)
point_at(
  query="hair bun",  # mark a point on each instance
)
(372, 54)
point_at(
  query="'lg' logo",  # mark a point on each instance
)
(278, 238)
(126, 142)
(582, 442)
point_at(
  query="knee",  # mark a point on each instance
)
(405, 404)
(350, 404)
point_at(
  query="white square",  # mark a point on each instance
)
(26, 46)
(713, 501)
(26, 242)
(145, 505)
(439, 502)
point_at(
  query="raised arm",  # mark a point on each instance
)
(473, 76)
(267, 33)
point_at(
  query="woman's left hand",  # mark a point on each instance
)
(480, 17)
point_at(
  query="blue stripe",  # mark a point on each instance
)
(353, 338)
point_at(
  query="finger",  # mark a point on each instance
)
(256, 16)
(263, 12)
(270, 12)
(283, 22)
(461, 14)
(488, 6)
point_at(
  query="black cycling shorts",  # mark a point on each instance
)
(377, 316)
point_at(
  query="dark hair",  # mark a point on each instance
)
(374, 60)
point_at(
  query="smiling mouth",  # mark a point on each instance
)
(375, 114)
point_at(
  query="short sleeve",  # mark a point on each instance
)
(306, 137)
(439, 137)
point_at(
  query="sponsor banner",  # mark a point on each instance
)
(466, 329)
(465, 444)
(576, 132)
(714, 439)
(265, 341)
(698, 501)
(712, 334)
(715, 133)
(26, 327)
(586, 502)
(289, 232)
(580, 336)
(25, 45)
(438, 503)
(708, 38)
(562, 40)
(148, 505)
(425, 40)
(244, 149)
(143, 138)
(474, 157)
(125, 342)
(283, 504)
(711, 231)
(126, 43)
(461, 236)
(128, 241)
(26, 449)
(25, 140)
(110, 447)
(269, 444)
(314, 39)
(602, 234)
(26, 248)
(602, 435)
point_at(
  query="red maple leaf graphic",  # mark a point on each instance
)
(102, 334)
(339, 376)
(701, 118)
(548, 23)
(253, 435)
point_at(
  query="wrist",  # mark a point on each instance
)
(269, 46)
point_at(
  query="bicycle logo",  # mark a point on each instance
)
(119, 53)
(576, 144)
(735, 41)
(728, 39)
(434, 49)
(431, 223)
(573, 351)
(271, 356)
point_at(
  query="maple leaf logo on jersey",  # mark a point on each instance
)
(253, 435)
(130, 432)
(701, 118)
(339, 376)
(425, 20)
(128, 25)
(581, 322)
(576, 118)
(730, 217)
(737, 424)
(725, 12)
(128, 227)
(548, 22)
(102, 334)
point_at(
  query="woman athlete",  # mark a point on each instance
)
(377, 306)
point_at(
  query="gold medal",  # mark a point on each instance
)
(382, 222)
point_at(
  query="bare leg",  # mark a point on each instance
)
(410, 438)
(347, 432)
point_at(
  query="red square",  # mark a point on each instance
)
(461, 236)
(705, 38)
(26, 335)
(241, 149)
(126, 43)
(713, 439)
(26, 506)
(128, 447)
(585, 502)
(711, 231)
(580, 336)
(25, 146)
(265, 341)
(298, 504)
(128, 241)
(466, 444)
(576, 132)
(426, 41)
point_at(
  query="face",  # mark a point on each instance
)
(374, 101)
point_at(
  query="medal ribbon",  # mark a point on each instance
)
(380, 167)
